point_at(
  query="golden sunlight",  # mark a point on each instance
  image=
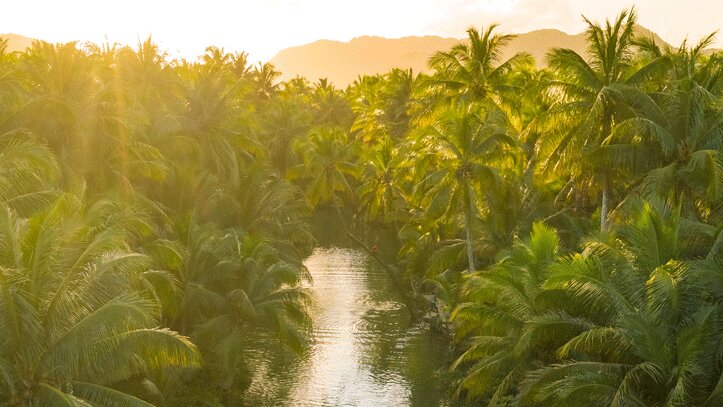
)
(263, 28)
(340, 203)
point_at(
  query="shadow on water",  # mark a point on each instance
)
(365, 350)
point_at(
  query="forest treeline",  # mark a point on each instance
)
(563, 224)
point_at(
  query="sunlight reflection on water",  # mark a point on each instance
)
(365, 350)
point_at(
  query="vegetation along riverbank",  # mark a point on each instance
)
(557, 226)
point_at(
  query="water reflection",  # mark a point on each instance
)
(365, 351)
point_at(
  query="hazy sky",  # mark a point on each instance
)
(262, 28)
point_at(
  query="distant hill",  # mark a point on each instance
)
(343, 62)
(17, 42)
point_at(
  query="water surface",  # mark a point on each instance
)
(365, 350)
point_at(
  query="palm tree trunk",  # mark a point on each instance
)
(604, 206)
(607, 126)
(468, 231)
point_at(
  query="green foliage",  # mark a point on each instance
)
(146, 201)
(141, 207)
(68, 310)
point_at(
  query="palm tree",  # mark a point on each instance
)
(328, 166)
(265, 79)
(262, 203)
(264, 293)
(596, 94)
(147, 86)
(649, 333)
(330, 106)
(384, 105)
(676, 147)
(629, 321)
(29, 173)
(214, 101)
(232, 284)
(399, 101)
(215, 57)
(240, 65)
(59, 86)
(11, 85)
(382, 192)
(496, 320)
(284, 120)
(67, 310)
(473, 72)
(468, 149)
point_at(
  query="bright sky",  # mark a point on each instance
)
(262, 28)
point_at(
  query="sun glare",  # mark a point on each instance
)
(392, 203)
(263, 28)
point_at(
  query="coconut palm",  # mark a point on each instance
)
(29, 173)
(676, 147)
(262, 203)
(597, 93)
(211, 120)
(285, 120)
(399, 101)
(232, 284)
(469, 150)
(330, 106)
(265, 79)
(68, 311)
(382, 192)
(149, 89)
(648, 334)
(11, 85)
(260, 291)
(59, 87)
(497, 319)
(328, 166)
(364, 98)
(473, 72)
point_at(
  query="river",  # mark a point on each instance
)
(365, 350)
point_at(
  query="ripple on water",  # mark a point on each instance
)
(361, 352)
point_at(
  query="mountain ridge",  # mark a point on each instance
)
(343, 62)
(16, 42)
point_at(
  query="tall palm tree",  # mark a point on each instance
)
(215, 57)
(11, 84)
(59, 86)
(152, 89)
(284, 120)
(262, 203)
(231, 285)
(240, 65)
(29, 173)
(264, 293)
(330, 106)
(469, 149)
(597, 93)
(388, 106)
(214, 101)
(629, 321)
